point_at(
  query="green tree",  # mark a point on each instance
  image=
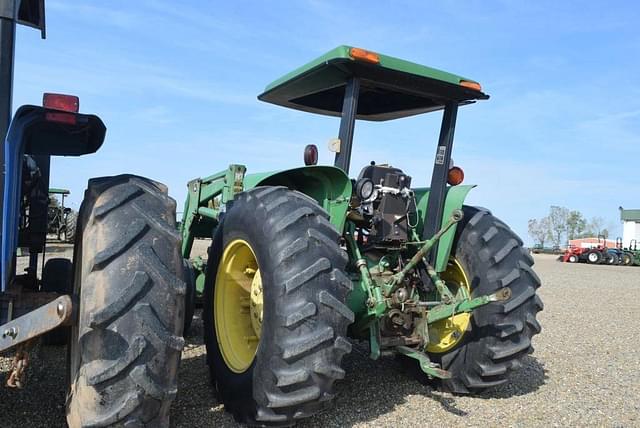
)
(576, 224)
(558, 219)
(596, 226)
(539, 230)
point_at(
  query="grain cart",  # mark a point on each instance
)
(61, 220)
(304, 258)
(121, 301)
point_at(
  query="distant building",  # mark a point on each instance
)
(630, 225)
(591, 242)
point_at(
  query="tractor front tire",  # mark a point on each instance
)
(275, 318)
(125, 348)
(626, 259)
(499, 334)
(573, 259)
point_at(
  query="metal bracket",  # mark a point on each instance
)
(431, 369)
(441, 312)
(36, 322)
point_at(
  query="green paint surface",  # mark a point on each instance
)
(455, 199)
(397, 64)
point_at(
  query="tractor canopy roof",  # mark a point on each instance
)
(56, 191)
(390, 88)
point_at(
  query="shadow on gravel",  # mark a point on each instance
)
(196, 404)
(370, 390)
(373, 389)
(41, 402)
(529, 378)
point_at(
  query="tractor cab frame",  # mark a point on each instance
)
(354, 83)
(29, 139)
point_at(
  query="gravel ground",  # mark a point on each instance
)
(584, 371)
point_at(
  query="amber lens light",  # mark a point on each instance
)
(471, 85)
(364, 55)
(455, 176)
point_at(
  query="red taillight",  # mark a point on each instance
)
(68, 103)
(455, 176)
(64, 106)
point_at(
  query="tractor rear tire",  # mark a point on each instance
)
(57, 277)
(70, 227)
(125, 348)
(302, 339)
(499, 335)
(594, 257)
(613, 259)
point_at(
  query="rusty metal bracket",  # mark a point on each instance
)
(36, 322)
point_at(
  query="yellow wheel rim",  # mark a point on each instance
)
(237, 304)
(447, 333)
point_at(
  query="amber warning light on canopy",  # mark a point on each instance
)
(471, 85)
(364, 55)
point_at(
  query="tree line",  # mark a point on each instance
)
(563, 224)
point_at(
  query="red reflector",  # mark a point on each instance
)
(68, 118)
(455, 176)
(68, 103)
(311, 155)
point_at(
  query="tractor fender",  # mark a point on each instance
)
(328, 185)
(454, 200)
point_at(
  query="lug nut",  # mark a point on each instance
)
(11, 332)
(60, 309)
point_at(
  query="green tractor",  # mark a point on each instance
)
(61, 220)
(305, 258)
(631, 254)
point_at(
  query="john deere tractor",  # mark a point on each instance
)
(120, 304)
(61, 220)
(303, 259)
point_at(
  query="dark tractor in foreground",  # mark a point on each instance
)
(119, 306)
(304, 259)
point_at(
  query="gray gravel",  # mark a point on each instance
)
(584, 371)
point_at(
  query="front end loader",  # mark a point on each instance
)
(305, 259)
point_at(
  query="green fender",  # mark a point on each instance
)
(328, 185)
(455, 199)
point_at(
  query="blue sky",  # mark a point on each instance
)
(176, 84)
